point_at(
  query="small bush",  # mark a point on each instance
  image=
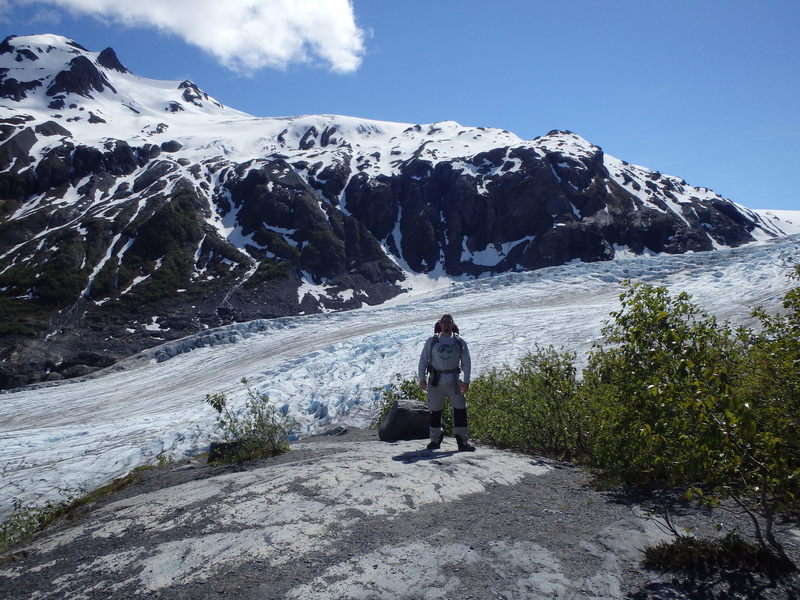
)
(702, 555)
(685, 400)
(28, 519)
(399, 388)
(663, 382)
(533, 406)
(258, 431)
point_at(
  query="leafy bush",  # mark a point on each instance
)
(683, 400)
(258, 431)
(269, 270)
(534, 406)
(21, 316)
(769, 456)
(663, 389)
(28, 519)
(398, 389)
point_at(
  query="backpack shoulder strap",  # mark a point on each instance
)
(459, 341)
(434, 339)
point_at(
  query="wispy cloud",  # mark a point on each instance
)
(46, 16)
(5, 11)
(244, 35)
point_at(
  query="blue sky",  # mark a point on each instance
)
(704, 90)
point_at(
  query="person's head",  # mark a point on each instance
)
(446, 325)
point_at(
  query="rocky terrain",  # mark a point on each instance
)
(344, 516)
(135, 211)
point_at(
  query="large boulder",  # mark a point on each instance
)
(407, 420)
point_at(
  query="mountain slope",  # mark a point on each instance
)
(134, 211)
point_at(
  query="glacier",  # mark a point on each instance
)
(330, 368)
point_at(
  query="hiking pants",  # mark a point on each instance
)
(447, 388)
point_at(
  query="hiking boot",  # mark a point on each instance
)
(436, 444)
(464, 445)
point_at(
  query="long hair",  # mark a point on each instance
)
(438, 328)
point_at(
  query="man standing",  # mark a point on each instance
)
(444, 356)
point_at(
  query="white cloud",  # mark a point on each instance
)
(245, 35)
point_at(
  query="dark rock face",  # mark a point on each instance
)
(49, 128)
(108, 58)
(171, 146)
(82, 78)
(13, 89)
(119, 159)
(309, 139)
(549, 210)
(194, 95)
(5, 45)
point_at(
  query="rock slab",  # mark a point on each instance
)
(407, 420)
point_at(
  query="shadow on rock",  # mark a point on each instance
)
(418, 455)
(723, 586)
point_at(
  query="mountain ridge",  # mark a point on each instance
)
(134, 210)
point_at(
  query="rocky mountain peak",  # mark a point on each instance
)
(108, 59)
(194, 95)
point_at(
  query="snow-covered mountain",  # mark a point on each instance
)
(134, 211)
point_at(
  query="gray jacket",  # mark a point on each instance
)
(445, 354)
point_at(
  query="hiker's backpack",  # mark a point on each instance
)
(435, 340)
(433, 373)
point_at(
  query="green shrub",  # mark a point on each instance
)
(323, 253)
(534, 406)
(28, 519)
(269, 270)
(681, 400)
(257, 431)
(769, 469)
(663, 389)
(22, 316)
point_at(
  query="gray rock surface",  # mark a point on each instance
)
(345, 516)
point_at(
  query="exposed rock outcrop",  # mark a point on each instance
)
(406, 420)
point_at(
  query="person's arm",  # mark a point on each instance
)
(466, 367)
(422, 367)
